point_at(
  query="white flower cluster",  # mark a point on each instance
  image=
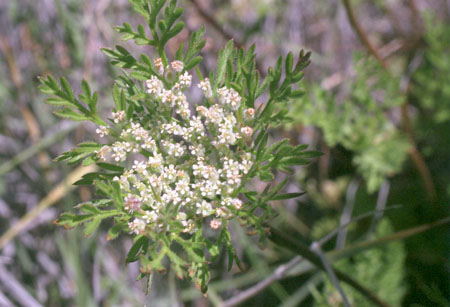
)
(180, 167)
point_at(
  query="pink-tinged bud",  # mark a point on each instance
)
(215, 223)
(159, 65)
(132, 203)
(237, 203)
(177, 66)
(202, 110)
(249, 113)
(247, 131)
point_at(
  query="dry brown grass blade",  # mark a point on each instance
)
(52, 197)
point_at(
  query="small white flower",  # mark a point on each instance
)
(101, 154)
(205, 86)
(204, 208)
(189, 226)
(171, 196)
(208, 188)
(118, 116)
(102, 131)
(159, 65)
(183, 109)
(229, 96)
(237, 203)
(174, 149)
(177, 66)
(169, 173)
(185, 79)
(182, 186)
(149, 144)
(150, 216)
(197, 150)
(140, 167)
(202, 111)
(155, 181)
(119, 150)
(154, 86)
(247, 131)
(137, 131)
(168, 97)
(137, 226)
(155, 162)
(215, 115)
(197, 126)
(227, 136)
(124, 180)
(223, 213)
(181, 216)
(132, 203)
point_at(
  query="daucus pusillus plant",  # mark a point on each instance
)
(171, 172)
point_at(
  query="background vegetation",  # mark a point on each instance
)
(377, 103)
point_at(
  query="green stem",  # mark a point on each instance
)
(162, 55)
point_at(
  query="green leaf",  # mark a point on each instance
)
(224, 55)
(57, 101)
(266, 175)
(89, 161)
(71, 114)
(311, 154)
(176, 29)
(286, 196)
(90, 209)
(70, 220)
(91, 226)
(114, 231)
(142, 76)
(117, 195)
(288, 64)
(85, 88)
(293, 161)
(105, 188)
(139, 246)
(116, 93)
(111, 167)
(195, 45)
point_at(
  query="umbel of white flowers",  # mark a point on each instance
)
(192, 164)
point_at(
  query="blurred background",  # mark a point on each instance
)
(376, 103)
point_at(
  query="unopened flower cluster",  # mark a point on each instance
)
(182, 166)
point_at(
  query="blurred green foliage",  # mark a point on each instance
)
(432, 79)
(356, 124)
(359, 123)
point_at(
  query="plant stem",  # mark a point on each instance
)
(162, 54)
(331, 273)
(278, 274)
(361, 34)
